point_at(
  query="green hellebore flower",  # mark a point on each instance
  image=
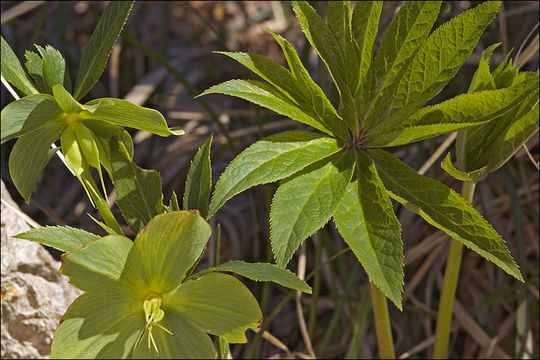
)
(133, 287)
(38, 120)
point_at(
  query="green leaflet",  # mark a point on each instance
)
(482, 79)
(138, 191)
(443, 208)
(218, 303)
(306, 201)
(123, 113)
(13, 71)
(313, 97)
(102, 325)
(325, 42)
(268, 96)
(54, 68)
(34, 65)
(365, 21)
(28, 114)
(100, 45)
(180, 237)
(404, 36)
(63, 238)
(435, 64)
(30, 155)
(341, 62)
(272, 158)
(475, 175)
(199, 181)
(366, 220)
(457, 113)
(262, 272)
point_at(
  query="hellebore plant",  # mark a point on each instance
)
(479, 152)
(341, 172)
(49, 112)
(135, 288)
(146, 278)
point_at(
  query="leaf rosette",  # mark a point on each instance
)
(342, 172)
(141, 288)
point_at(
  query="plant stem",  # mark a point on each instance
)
(451, 275)
(101, 203)
(382, 323)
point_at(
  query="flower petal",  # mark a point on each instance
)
(169, 245)
(110, 264)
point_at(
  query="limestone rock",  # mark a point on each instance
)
(34, 293)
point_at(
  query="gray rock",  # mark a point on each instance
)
(34, 293)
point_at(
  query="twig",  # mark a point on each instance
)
(299, 312)
(19, 10)
(535, 163)
(442, 148)
(53, 146)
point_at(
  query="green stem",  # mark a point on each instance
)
(451, 275)
(382, 323)
(100, 202)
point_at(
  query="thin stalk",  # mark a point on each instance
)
(383, 330)
(100, 202)
(451, 275)
(359, 325)
(221, 344)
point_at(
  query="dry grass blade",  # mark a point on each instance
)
(19, 10)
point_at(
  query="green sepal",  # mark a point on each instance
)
(28, 114)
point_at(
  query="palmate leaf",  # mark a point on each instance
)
(460, 112)
(364, 24)
(266, 95)
(270, 159)
(306, 201)
(436, 62)
(406, 33)
(366, 220)
(313, 96)
(443, 208)
(199, 180)
(340, 61)
(296, 85)
(100, 45)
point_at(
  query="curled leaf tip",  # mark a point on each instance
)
(175, 130)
